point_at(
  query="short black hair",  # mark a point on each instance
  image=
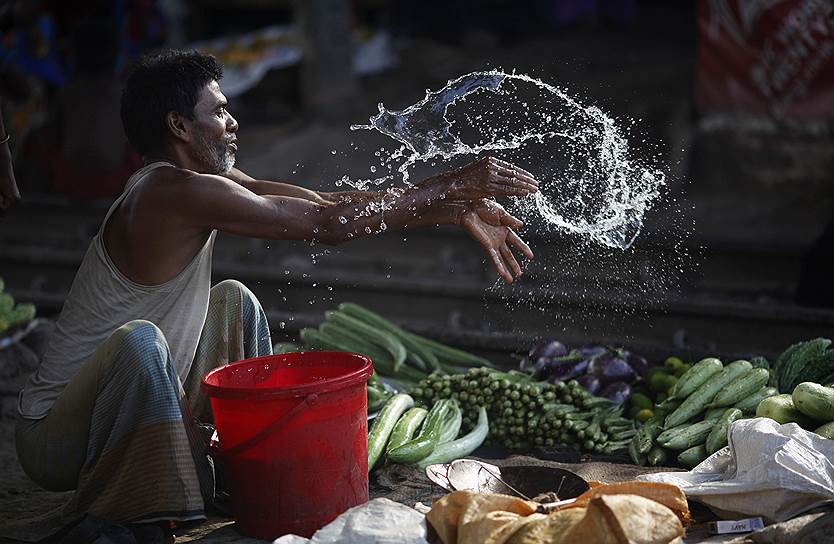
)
(161, 83)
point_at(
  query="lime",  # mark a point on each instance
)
(673, 363)
(640, 400)
(644, 415)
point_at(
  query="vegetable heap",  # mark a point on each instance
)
(524, 413)
(406, 434)
(11, 314)
(607, 372)
(692, 423)
(397, 354)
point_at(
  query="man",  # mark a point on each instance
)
(9, 194)
(109, 411)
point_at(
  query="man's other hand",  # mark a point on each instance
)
(492, 227)
(490, 177)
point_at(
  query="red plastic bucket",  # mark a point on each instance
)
(293, 438)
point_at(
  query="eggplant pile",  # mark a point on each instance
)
(603, 371)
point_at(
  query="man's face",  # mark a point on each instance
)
(214, 143)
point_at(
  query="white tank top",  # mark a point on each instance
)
(102, 299)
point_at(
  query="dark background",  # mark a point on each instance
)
(734, 261)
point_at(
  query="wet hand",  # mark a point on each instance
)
(487, 223)
(490, 177)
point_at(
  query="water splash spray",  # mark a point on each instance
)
(590, 185)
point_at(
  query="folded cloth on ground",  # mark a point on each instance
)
(769, 470)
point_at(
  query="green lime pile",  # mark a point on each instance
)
(659, 382)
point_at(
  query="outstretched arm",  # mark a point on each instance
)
(9, 193)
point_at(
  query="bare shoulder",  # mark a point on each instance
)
(180, 186)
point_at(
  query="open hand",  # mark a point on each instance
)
(492, 227)
(490, 177)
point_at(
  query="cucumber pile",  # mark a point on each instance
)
(525, 413)
(12, 314)
(692, 422)
(405, 434)
(811, 406)
(396, 353)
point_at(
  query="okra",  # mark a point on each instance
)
(695, 377)
(690, 436)
(648, 433)
(658, 456)
(717, 438)
(697, 401)
(742, 387)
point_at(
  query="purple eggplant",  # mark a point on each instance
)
(638, 363)
(616, 392)
(609, 367)
(590, 383)
(592, 350)
(549, 349)
(565, 368)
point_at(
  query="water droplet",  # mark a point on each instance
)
(332, 151)
(373, 168)
(342, 219)
(383, 226)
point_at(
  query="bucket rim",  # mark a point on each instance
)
(360, 375)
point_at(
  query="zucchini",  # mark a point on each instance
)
(749, 404)
(693, 456)
(697, 401)
(463, 446)
(384, 424)
(781, 409)
(406, 427)
(424, 443)
(742, 387)
(717, 437)
(826, 430)
(658, 456)
(814, 400)
(688, 437)
(695, 377)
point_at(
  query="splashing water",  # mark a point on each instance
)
(589, 185)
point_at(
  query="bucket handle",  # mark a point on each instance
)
(309, 400)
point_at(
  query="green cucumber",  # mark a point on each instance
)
(647, 434)
(384, 424)
(688, 437)
(658, 456)
(451, 425)
(406, 427)
(826, 430)
(717, 437)
(693, 456)
(695, 377)
(637, 457)
(426, 441)
(814, 400)
(698, 400)
(714, 413)
(742, 387)
(781, 409)
(749, 404)
(463, 446)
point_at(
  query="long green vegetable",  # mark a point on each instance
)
(697, 401)
(384, 424)
(406, 427)
(391, 344)
(428, 438)
(463, 446)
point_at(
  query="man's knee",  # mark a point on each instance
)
(230, 287)
(143, 345)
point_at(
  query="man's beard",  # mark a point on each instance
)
(216, 157)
